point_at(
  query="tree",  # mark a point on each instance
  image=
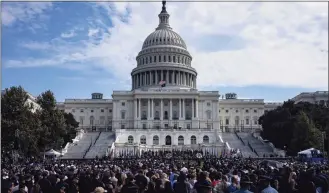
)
(18, 122)
(305, 135)
(282, 124)
(71, 127)
(52, 121)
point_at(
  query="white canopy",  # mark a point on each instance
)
(52, 153)
(308, 152)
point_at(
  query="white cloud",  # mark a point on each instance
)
(282, 42)
(92, 32)
(22, 11)
(69, 34)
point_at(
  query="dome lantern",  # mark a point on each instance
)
(163, 18)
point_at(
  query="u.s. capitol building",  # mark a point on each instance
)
(174, 114)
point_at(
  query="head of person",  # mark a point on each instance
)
(245, 183)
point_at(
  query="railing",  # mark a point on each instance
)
(91, 143)
(239, 137)
(97, 137)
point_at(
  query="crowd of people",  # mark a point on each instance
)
(154, 173)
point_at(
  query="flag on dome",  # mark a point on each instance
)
(162, 83)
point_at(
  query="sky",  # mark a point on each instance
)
(262, 50)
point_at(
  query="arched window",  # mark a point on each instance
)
(92, 120)
(193, 139)
(155, 140)
(180, 140)
(174, 59)
(143, 139)
(130, 139)
(205, 139)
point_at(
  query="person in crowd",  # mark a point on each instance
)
(267, 184)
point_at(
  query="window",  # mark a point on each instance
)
(227, 121)
(208, 126)
(144, 115)
(175, 126)
(188, 126)
(157, 114)
(247, 111)
(255, 121)
(102, 110)
(180, 140)
(91, 120)
(169, 58)
(247, 121)
(144, 126)
(143, 139)
(208, 114)
(219, 111)
(226, 111)
(155, 140)
(92, 110)
(130, 139)
(122, 126)
(150, 59)
(155, 59)
(205, 139)
(174, 59)
(159, 58)
(81, 110)
(236, 111)
(81, 120)
(208, 104)
(164, 58)
(102, 120)
(123, 104)
(255, 110)
(73, 110)
(193, 139)
(110, 110)
(166, 126)
(123, 115)
(175, 115)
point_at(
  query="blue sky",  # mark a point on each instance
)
(257, 50)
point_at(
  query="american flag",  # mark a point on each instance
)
(162, 83)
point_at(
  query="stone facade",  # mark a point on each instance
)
(164, 108)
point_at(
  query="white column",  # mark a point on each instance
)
(192, 109)
(184, 109)
(161, 109)
(135, 106)
(180, 108)
(139, 109)
(156, 78)
(195, 82)
(152, 108)
(196, 108)
(170, 109)
(148, 109)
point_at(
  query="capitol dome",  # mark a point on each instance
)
(164, 37)
(164, 58)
